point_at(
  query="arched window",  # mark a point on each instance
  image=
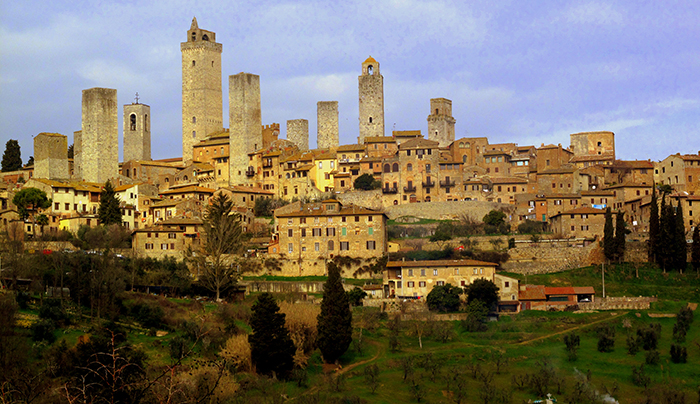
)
(194, 63)
(194, 36)
(132, 120)
(370, 69)
(387, 168)
(409, 167)
(468, 145)
(370, 119)
(222, 150)
(194, 119)
(186, 178)
(194, 134)
(386, 185)
(427, 198)
(464, 158)
(145, 122)
(461, 144)
(331, 245)
(134, 173)
(205, 37)
(396, 202)
(395, 167)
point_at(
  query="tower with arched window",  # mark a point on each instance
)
(137, 131)
(441, 124)
(202, 106)
(371, 91)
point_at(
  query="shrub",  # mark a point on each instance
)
(22, 299)
(301, 322)
(356, 295)
(572, 342)
(633, 344)
(53, 310)
(652, 357)
(606, 338)
(236, 351)
(679, 354)
(177, 347)
(530, 227)
(148, 315)
(444, 298)
(639, 376)
(43, 330)
(650, 336)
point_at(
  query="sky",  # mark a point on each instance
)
(528, 72)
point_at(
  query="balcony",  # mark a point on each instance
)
(267, 163)
(429, 184)
(447, 184)
(250, 172)
(410, 188)
(389, 190)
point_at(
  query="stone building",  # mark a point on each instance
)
(137, 131)
(51, 156)
(99, 140)
(681, 171)
(168, 238)
(245, 132)
(591, 148)
(298, 133)
(327, 130)
(202, 107)
(371, 89)
(329, 228)
(580, 222)
(441, 124)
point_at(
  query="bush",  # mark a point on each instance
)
(356, 295)
(633, 344)
(679, 354)
(606, 338)
(530, 227)
(43, 330)
(177, 347)
(22, 300)
(148, 315)
(650, 336)
(476, 314)
(366, 182)
(639, 376)
(237, 353)
(53, 310)
(652, 357)
(444, 298)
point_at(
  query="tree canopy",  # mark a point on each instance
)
(12, 157)
(482, 290)
(366, 182)
(272, 350)
(30, 199)
(335, 321)
(109, 211)
(495, 218)
(444, 298)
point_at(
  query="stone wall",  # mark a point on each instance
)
(245, 121)
(310, 267)
(100, 136)
(327, 132)
(298, 133)
(288, 287)
(619, 303)
(49, 245)
(543, 258)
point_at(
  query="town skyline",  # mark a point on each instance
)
(509, 88)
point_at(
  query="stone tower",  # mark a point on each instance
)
(202, 107)
(327, 133)
(51, 156)
(441, 124)
(245, 121)
(77, 155)
(137, 131)
(100, 135)
(371, 89)
(298, 133)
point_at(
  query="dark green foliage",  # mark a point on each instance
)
(30, 200)
(633, 344)
(22, 299)
(511, 243)
(679, 247)
(667, 224)
(12, 157)
(109, 211)
(335, 320)
(495, 218)
(653, 241)
(476, 315)
(42, 330)
(650, 336)
(148, 315)
(483, 290)
(679, 354)
(444, 298)
(606, 338)
(620, 234)
(177, 347)
(437, 237)
(572, 342)
(267, 206)
(53, 310)
(640, 377)
(695, 249)
(366, 182)
(272, 350)
(356, 295)
(609, 249)
(372, 377)
(652, 357)
(394, 326)
(683, 320)
(530, 227)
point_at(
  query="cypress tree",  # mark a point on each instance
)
(271, 348)
(109, 211)
(695, 250)
(609, 236)
(680, 250)
(620, 233)
(335, 320)
(12, 157)
(665, 223)
(653, 242)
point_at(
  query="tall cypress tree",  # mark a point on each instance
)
(695, 250)
(609, 236)
(271, 348)
(620, 233)
(12, 157)
(109, 211)
(653, 242)
(666, 222)
(335, 320)
(680, 247)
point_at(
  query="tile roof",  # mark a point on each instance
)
(440, 263)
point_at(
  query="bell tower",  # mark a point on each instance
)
(202, 106)
(371, 89)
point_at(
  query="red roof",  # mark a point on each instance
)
(532, 292)
(566, 290)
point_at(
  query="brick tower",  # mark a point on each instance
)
(137, 131)
(202, 107)
(99, 151)
(298, 133)
(441, 124)
(327, 133)
(371, 89)
(245, 121)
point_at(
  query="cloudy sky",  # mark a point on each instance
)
(528, 72)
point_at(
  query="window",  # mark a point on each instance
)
(290, 248)
(303, 232)
(441, 283)
(317, 232)
(371, 244)
(435, 272)
(320, 165)
(357, 218)
(331, 245)
(290, 233)
(370, 231)
(172, 235)
(149, 246)
(56, 206)
(409, 167)
(456, 271)
(476, 271)
(410, 284)
(410, 272)
(344, 246)
(302, 220)
(421, 284)
(370, 218)
(330, 232)
(422, 272)
(290, 221)
(507, 284)
(317, 246)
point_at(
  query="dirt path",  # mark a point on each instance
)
(570, 329)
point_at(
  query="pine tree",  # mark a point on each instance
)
(695, 250)
(12, 158)
(620, 233)
(109, 211)
(335, 320)
(609, 236)
(653, 242)
(680, 246)
(271, 348)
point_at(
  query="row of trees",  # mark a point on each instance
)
(614, 237)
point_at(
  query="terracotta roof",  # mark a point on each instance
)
(249, 190)
(584, 290)
(688, 157)
(419, 142)
(628, 185)
(561, 170)
(596, 157)
(370, 60)
(440, 263)
(351, 147)
(564, 290)
(380, 139)
(596, 193)
(508, 180)
(315, 209)
(181, 220)
(532, 292)
(190, 188)
(406, 133)
(631, 164)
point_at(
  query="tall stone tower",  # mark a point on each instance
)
(245, 121)
(371, 86)
(51, 156)
(327, 133)
(100, 135)
(77, 155)
(202, 107)
(441, 124)
(298, 133)
(137, 131)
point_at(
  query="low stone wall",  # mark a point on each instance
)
(553, 258)
(452, 210)
(49, 245)
(619, 303)
(288, 287)
(310, 267)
